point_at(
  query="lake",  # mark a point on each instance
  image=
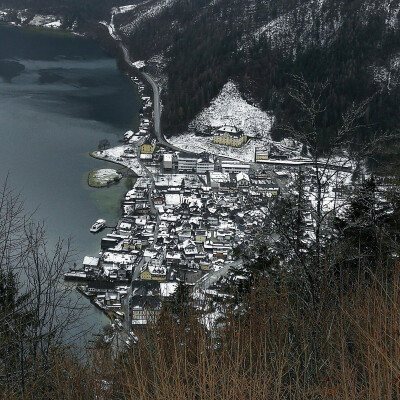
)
(59, 96)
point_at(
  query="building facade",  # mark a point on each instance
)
(187, 162)
(234, 168)
(229, 136)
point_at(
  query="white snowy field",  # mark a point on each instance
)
(146, 10)
(106, 175)
(228, 108)
(47, 21)
(119, 156)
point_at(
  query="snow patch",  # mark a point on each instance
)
(387, 76)
(228, 108)
(103, 176)
(47, 21)
(147, 13)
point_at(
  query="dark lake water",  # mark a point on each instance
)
(59, 96)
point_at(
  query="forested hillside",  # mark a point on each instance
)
(198, 45)
(260, 44)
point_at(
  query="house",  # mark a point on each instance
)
(268, 189)
(189, 248)
(273, 190)
(216, 178)
(142, 208)
(154, 271)
(112, 299)
(90, 262)
(148, 146)
(229, 136)
(200, 235)
(145, 309)
(108, 242)
(184, 234)
(242, 179)
(173, 258)
(158, 199)
(205, 265)
(146, 157)
(228, 187)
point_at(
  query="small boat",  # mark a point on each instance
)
(98, 225)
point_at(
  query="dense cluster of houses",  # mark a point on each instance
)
(178, 227)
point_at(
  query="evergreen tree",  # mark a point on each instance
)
(365, 236)
(16, 319)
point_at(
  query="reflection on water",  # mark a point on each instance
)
(59, 97)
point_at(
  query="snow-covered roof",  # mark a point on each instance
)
(157, 270)
(234, 165)
(125, 226)
(168, 288)
(219, 176)
(150, 253)
(90, 261)
(118, 258)
(228, 129)
(241, 175)
(167, 157)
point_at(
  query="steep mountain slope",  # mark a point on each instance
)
(260, 44)
(196, 46)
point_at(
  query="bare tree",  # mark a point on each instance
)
(305, 246)
(36, 311)
(329, 162)
(103, 144)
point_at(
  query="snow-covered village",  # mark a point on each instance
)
(199, 199)
(196, 201)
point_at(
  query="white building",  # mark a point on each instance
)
(167, 161)
(242, 179)
(187, 162)
(236, 168)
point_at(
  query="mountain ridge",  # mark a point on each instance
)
(196, 47)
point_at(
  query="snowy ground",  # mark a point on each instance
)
(387, 75)
(104, 176)
(145, 11)
(199, 144)
(119, 156)
(46, 21)
(228, 108)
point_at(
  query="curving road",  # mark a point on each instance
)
(156, 98)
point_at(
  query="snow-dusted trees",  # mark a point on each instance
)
(309, 228)
(368, 230)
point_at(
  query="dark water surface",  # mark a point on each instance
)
(59, 96)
